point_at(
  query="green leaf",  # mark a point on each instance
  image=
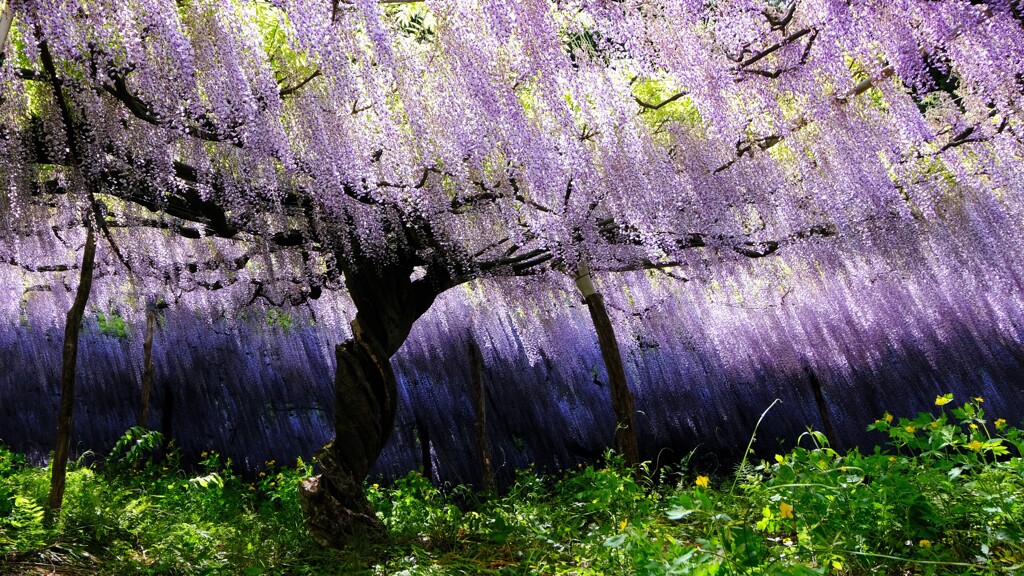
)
(615, 541)
(678, 512)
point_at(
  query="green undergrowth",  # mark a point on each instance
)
(943, 494)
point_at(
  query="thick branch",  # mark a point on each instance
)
(769, 50)
(666, 101)
(292, 89)
(12, 261)
(520, 263)
(779, 23)
(203, 129)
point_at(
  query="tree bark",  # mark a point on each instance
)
(147, 364)
(72, 327)
(365, 397)
(622, 399)
(483, 446)
(364, 410)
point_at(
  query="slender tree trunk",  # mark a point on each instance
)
(483, 447)
(72, 327)
(147, 364)
(622, 398)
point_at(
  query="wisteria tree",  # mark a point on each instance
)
(395, 150)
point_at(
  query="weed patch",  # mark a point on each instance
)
(943, 493)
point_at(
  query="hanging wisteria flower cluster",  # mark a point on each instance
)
(266, 144)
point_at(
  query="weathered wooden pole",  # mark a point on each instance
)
(6, 19)
(72, 327)
(622, 398)
(147, 363)
(483, 446)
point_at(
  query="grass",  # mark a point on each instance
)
(942, 494)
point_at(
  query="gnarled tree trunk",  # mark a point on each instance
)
(364, 412)
(365, 397)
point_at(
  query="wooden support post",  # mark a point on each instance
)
(483, 446)
(147, 364)
(622, 398)
(72, 327)
(6, 19)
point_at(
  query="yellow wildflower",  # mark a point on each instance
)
(910, 429)
(974, 426)
(786, 510)
(622, 525)
(892, 458)
(780, 459)
(204, 454)
(702, 481)
(975, 445)
(979, 399)
(925, 543)
(943, 400)
(935, 424)
(888, 418)
(1000, 423)
(376, 486)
